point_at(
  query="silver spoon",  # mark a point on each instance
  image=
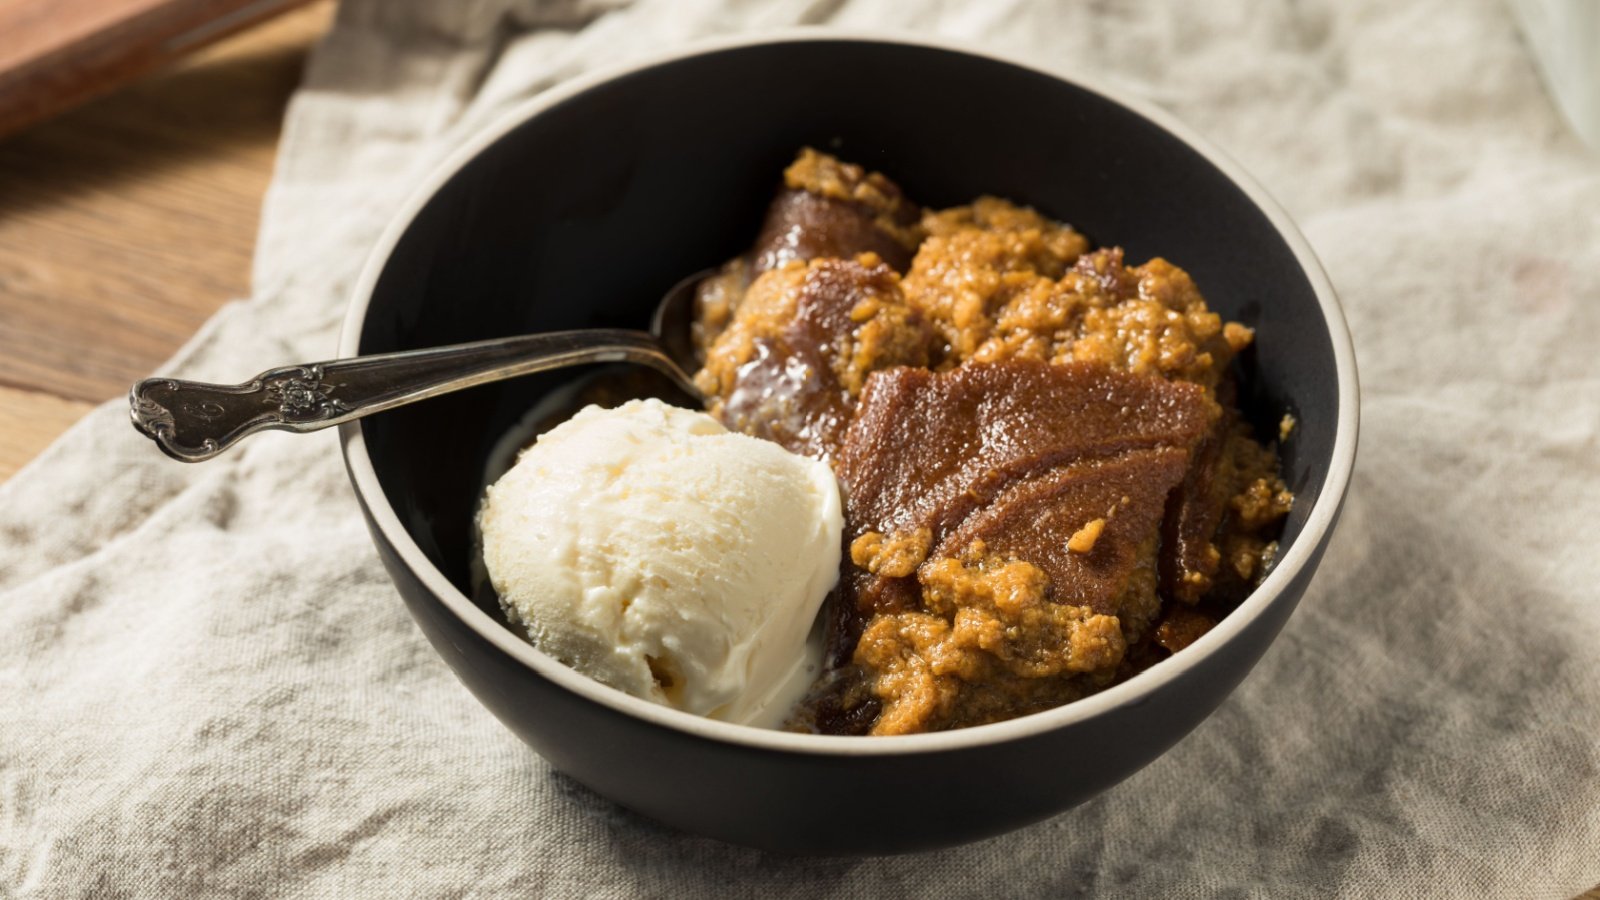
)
(193, 421)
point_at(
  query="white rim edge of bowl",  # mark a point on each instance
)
(1318, 521)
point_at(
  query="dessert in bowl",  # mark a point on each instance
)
(583, 206)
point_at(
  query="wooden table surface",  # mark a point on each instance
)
(124, 224)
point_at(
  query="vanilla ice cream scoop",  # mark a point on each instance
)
(654, 550)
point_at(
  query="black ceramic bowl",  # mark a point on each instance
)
(581, 207)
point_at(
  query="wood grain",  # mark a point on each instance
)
(29, 421)
(125, 223)
(58, 53)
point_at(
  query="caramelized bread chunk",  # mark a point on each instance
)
(1189, 553)
(801, 345)
(1126, 493)
(928, 449)
(829, 208)
(826, 209)
(1182, 627)
(1001, 522)
(802, 225)
(1215, 540)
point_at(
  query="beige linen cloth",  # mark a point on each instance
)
(209, 687)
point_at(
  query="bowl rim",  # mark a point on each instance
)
(1319, 520)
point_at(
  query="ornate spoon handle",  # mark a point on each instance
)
(192, 421)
